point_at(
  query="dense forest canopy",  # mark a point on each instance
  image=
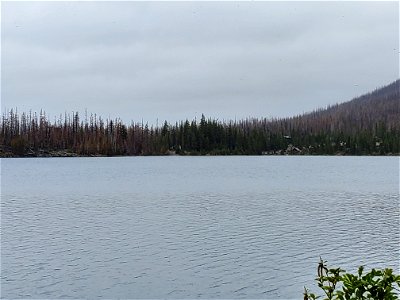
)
(367, 125)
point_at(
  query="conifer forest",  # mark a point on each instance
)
(367, 125)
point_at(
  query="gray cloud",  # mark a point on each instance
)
(172, 60)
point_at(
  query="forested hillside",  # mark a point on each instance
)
(367, 125)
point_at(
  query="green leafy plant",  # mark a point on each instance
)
(339, 285)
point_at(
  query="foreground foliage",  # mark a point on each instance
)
(336, 284)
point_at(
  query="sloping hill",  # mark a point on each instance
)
(380, 107)
(366, 121)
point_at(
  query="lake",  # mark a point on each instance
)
(192, 227)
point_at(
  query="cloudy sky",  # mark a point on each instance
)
(176, 60)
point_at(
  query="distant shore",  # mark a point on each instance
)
(365, 126)
(67, 153)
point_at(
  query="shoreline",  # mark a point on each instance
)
(66, 154)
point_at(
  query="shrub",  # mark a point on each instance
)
(339, 285)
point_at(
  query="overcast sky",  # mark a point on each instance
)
(176, 60)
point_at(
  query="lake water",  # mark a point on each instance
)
(192, 227)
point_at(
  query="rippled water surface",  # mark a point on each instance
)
(192, 227)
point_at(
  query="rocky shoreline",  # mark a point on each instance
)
(67, 153)
(44, 153)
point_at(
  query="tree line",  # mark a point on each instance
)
(367, 125)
